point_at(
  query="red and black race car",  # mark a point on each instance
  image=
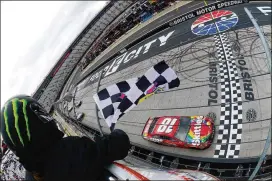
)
(180, 131)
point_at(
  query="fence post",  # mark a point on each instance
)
(96, 108)
(261, 35)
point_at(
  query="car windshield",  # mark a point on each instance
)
(184, 126)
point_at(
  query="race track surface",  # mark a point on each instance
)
(225, 76)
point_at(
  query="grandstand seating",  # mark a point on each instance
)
(139, 12)
(110, 24)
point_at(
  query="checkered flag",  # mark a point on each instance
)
(108, 99)
(158, 78)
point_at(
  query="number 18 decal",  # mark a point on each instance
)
(167, 125)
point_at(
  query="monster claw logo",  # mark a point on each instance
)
(14, 105)
(6, 124)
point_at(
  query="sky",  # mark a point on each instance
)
(34, 35)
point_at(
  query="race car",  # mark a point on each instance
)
(180, 131)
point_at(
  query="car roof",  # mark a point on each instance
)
(166, 130)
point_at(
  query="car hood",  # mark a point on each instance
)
(200, 130)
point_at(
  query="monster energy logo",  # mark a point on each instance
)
(15, 102)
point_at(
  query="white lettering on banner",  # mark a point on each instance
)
(167, 125)
(114, 67)
(147, 46)
(163, 39)
(129, 57)
(183, 18)
(205, 10)
(138, 51)
(265, 9)
(228, 3)
(97, 74)
(105, 69)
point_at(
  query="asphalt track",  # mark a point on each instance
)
(195, 58)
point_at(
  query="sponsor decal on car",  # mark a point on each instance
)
(198, 134)
(129, 58)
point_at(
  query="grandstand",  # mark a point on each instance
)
(47, 93)
(110, 24)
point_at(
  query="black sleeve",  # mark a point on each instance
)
(76, 158)
(116, 145)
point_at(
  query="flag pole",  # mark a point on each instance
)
(96, 108)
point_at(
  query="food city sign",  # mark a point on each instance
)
(206, 9)
(127, 58)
